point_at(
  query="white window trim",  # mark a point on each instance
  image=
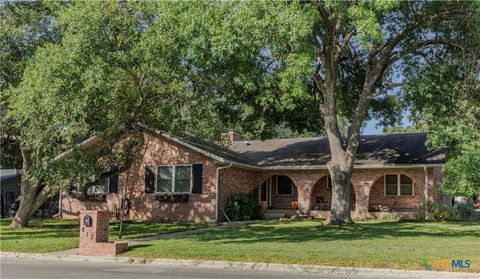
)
(329, 178)
(398, 186)
(173, 177)
(291, 187)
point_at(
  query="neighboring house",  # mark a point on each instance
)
(288, 175)
(9, 189)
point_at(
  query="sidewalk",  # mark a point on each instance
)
(315, 269)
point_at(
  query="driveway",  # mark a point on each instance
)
(19, 268)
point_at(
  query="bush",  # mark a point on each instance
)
(388, 216)
(430, 211)
(380, 208)
(242, 207)
(464, 210)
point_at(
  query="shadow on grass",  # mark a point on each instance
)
(144, 229)
(290, 232)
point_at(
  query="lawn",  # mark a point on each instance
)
(364, 244)
(55, 235)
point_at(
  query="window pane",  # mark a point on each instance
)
(391, 189)
(406, 189)
(182, 178)
(405, 179)
(182, 185)
(391, 179)
(97, 189)
(183, 171)
(284, 185)
(164, 179)
(164, 173)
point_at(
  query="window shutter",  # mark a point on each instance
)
(113, 184)
(149, 179)
(197, 171)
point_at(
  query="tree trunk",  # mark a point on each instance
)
(31, 199)
(341, 174)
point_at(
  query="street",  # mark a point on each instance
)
(19, 268)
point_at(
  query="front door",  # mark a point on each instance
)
(266, 194)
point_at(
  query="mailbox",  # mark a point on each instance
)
(87, 220)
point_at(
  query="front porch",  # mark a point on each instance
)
(372, 195)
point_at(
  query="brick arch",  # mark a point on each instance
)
(281, 201)
(376, 193)
(320, 190)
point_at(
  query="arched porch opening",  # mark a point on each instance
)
(278, 192)
(321, 197)
(394, 192)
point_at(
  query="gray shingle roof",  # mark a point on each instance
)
(392, 149)
(7, 174)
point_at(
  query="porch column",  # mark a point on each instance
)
(304, 199)
(362, 190)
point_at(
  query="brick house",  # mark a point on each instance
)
(288, 175)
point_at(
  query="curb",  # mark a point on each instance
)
(336, 271)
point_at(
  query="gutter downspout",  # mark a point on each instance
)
(425, 190)
(217, 193)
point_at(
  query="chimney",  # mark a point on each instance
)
(230, 136)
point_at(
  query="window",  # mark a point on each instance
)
(406, 186)
(398, 185)
(177, 178)
(329, 182)
(284, 185)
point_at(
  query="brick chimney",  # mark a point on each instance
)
(230, 136)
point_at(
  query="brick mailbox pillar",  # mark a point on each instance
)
(94, 235)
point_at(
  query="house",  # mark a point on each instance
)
(9, 189)
(289, 176)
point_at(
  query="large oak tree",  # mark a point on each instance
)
(334, 61)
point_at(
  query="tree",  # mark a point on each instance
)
(446, 98)
(117, 64)
(24, 27)
(328, 60)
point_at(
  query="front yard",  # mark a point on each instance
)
(56, 235)
(365, 244)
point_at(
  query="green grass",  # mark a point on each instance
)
(49, 235)
(365, 244)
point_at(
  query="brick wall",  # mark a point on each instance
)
(320, 190)
(144, 206)
(236, 180)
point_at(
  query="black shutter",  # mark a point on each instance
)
(113, 184)
(149, 179)
(197, 172)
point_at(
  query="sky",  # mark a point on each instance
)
(371, 129)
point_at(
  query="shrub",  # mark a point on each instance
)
(464, 210)
(388, 216)
(242, 207)
(380, 208)
(430, 211)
